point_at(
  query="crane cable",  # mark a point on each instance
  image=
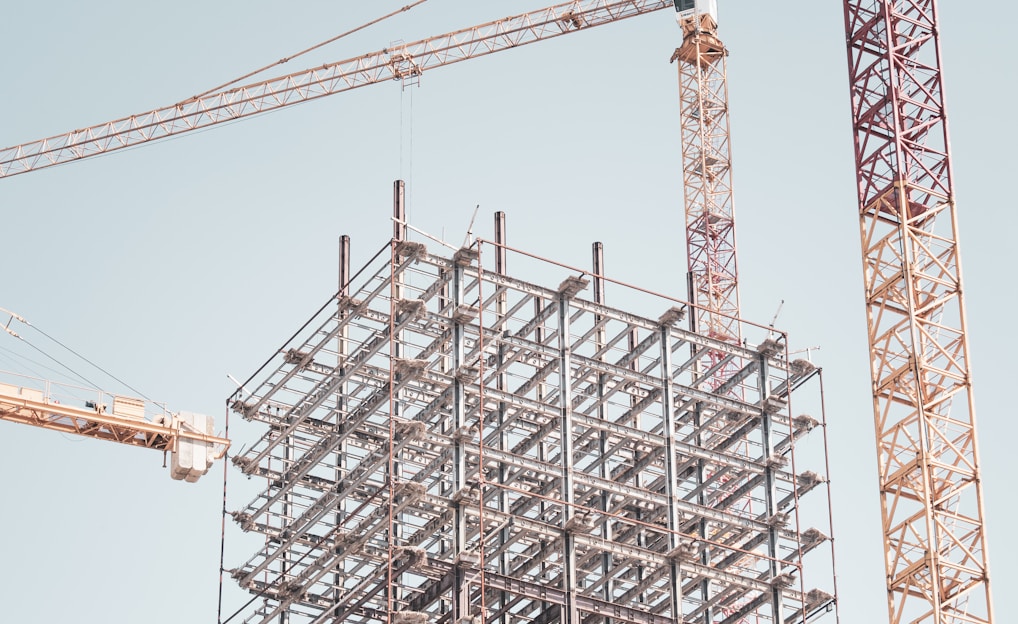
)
(17, 317)
(302, 52)
(18, 361)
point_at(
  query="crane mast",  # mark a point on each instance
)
(930, 492)
(706, 171)
(710, 237)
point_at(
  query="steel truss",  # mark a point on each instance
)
(707, 178)
(931, 498)
(83, 411)
(454, 444)
(405, 62)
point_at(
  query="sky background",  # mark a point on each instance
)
(176, 264)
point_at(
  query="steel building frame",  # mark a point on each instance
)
(454, 444)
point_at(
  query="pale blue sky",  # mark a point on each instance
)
(177, 263)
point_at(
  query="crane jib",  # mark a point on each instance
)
(391, 63)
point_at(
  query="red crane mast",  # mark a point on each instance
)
(930, 493)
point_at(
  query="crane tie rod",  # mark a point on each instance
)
(17, 317)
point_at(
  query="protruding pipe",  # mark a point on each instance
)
(399, 210)
(691, 296)
(500, 254)
(598, 251)
(344, 265)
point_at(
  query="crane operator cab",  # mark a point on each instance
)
(705, 10)
(688, 8)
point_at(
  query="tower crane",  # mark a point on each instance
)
(188, 437)
(931, 498)
(706, 170)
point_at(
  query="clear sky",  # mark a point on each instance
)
(176, 264)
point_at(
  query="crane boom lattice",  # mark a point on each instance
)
(396, 63)
(707, 178)
(124, 420)
(931, 498)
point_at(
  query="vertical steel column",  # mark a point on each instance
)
(399, 204)
(342, 351)
(770, 487)
(569, 613)
(284, 616)
(500, 242)
(641, 534)
(502, 383)
(937, 565)
(399, 232)
(670, 434)
(703, 526)
(461, 497)
(608, 592)
(542, 445)
(344, 266)
(703, 500)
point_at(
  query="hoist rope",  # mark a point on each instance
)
(96, 366)
(16, 317)
(26, 363)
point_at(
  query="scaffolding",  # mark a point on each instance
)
(447, 443)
